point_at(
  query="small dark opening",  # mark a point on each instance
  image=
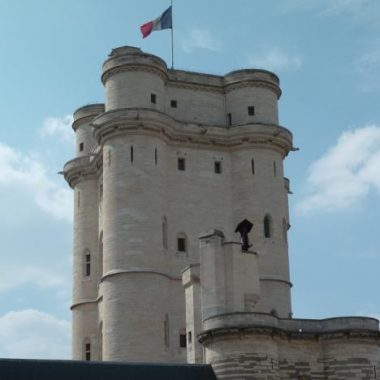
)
(181, 164)
(153, 98)
(274, 168)
(173, 103)
(267, 227)
(253, 166)
(88, 351)
(189, 337)
(251, 110)
(155, 156)
(229, 119)
(182, 340)
(81, 147)
(181, 244)
(132, 153)
(218, 167)
(88, 265)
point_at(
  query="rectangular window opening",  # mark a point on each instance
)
(251, 111)
(217, 167)
(181, 164)
(88, 351)
(153, 98)
(182, 340)
(173, 103)
(81, 147)
(88, 265)
(181, 245)
(189, 337)
(229, 119)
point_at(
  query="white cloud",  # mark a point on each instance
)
(346, 173)
(34, 334)
(276, 59)
(28, 173)
(200, 39)
(58, 127)
(12, 277)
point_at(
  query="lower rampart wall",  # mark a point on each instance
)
(335, 349)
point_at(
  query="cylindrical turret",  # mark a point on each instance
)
(83, 116)
(86, 250)
(251, 97)
(134, 79)
(136, 280)
(85, 268)
(259, 195)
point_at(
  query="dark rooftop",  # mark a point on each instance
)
(19, 369)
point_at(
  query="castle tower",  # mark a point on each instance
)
(172, 154)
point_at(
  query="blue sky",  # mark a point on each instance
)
(327, 54)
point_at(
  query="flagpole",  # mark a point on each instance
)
(171, 4)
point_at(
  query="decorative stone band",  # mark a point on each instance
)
(254, 83)
(275, 279)
(85, 302)
(141, 121)
(119, 272)
(260, 323)
(79, 169)
(135, 68)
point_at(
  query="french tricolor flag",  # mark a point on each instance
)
(162, 22)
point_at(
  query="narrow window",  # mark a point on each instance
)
(155, 156)
(81, 147)
(109, 158)
(165, 232)
(88, 264)
(78, 199)
(189, 337)
(101, 255)
(251, 110)
(217, 167)
(100, 192)
(285, 231)
(274, 168)
(267, 227)
(173, 103)
(153, 98)
(181, 244)
(101, 341)
(253, 166)
(132, 154)
(182, 340)
(181, 164)
(166, 331)
(229, 119)
(87, 351)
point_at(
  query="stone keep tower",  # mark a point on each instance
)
(170, 155)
